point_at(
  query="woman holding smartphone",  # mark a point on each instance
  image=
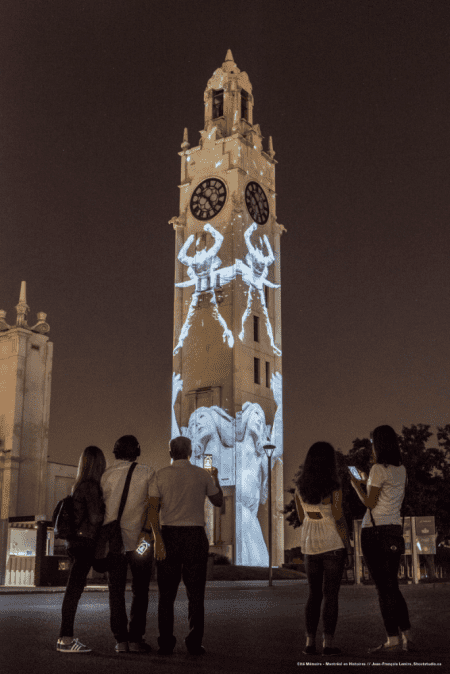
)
(382, 537)
(324, 541)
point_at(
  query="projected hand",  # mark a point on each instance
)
(276, 384)
(177, 386)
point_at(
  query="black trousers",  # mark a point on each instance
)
(81, 557)
(141, 571)
(383, 566)
(187, 558)
(324, 573)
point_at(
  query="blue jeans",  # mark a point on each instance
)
(324, 573)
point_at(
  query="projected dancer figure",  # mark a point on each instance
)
(203, 272)
(254, 274)
(252, 489)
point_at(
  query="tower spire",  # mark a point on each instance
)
(229, 66)
(22, 308)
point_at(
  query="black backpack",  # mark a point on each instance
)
(63, 519)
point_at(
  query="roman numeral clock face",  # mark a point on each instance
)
(208, 199)
(257, 203)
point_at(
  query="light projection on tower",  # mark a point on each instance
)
(254, 274)
(204, 273)
(236, 447)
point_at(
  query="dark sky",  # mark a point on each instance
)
(94, 99)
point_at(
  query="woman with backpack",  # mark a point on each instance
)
(382, 540)
(88, 514)
(324, 541)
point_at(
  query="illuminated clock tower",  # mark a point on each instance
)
(227, 372)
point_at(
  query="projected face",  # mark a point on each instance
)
(201, 430)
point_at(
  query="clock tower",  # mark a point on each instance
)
(227, 372)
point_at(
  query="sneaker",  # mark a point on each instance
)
(75, 646)
(309, 650)
(121, 647)
(139, 647)
(165, 651)
(331, 650)
(384, 649)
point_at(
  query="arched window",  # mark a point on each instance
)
(217, 103)
(244, 105)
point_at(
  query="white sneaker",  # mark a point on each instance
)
(75, 646)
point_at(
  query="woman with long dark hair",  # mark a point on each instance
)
(382, 537)
(89, 510)
(324, 541)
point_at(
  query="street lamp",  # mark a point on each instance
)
(269, 451)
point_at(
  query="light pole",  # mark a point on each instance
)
(269, 451)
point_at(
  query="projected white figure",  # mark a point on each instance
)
(254, 274)
(203, 270)
(252, 478)
(212, 431)
(177, 387)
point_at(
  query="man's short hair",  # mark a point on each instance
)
(127, 447)
(180, 447)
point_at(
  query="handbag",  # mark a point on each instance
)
(110, 541)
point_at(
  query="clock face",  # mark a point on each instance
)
(208, 199)
(257, 203)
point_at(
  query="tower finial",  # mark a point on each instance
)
(185, 144)
(22, 308)
(270, 152)
(229, 66)
(23, 293)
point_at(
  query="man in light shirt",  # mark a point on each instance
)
(129, 636)
(181, 545)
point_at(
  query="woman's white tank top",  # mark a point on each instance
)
(319, 535)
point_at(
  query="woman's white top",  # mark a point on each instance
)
(392, 480)
(320, 535)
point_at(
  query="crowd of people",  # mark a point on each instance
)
(160, 515)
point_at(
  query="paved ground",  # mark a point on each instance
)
(250, 628)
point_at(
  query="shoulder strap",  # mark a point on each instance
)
(126, 490)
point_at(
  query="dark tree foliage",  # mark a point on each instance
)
(428, 468)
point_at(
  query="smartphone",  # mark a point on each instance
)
(207, 461)
(143, 547)
(355, 472)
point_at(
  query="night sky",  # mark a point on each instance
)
(94, 99)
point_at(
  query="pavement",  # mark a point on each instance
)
(249, 628)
